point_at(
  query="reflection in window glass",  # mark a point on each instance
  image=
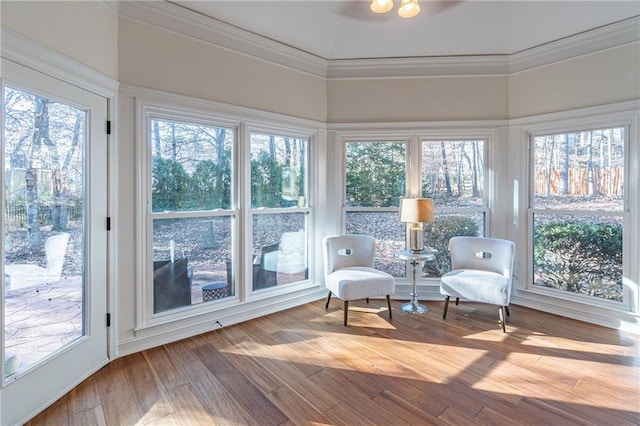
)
(191, 261)
(191, 166)
(375, 173)
(44, 147)
(389, 233)
(279, 249)
(278, 171)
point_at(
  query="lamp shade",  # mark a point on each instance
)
(416, 210)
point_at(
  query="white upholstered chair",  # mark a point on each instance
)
(481, 271)
(349, 272)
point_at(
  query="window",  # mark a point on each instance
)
(375, 183)
(279, 206)
(453, 175)
(191, 216)
(577, 212)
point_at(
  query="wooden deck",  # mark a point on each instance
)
(302, 366)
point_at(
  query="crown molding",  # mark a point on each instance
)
(183, 21)
(17, 48)
(186, 22)
(418, 67)
(606, 37)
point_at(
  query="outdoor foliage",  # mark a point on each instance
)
(375, 174)
(437, 236)
(580, 257)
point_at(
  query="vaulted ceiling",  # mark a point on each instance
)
(334, 30)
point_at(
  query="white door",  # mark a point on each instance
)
(54, 239)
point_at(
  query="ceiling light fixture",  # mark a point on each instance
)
(408, 8)
(381, 6)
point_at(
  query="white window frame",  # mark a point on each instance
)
(414, 134)
(243, 120)
(307, 209)
(616, 115)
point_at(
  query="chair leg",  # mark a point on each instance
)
(507, 309)
(446, 306)
(389, 305)
(346, 311)
(326, 306)
(503, 318)
(457, 300)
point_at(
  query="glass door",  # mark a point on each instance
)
(54, 196)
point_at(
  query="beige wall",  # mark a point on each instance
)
(417, 99)
(153, 58)
(85, 31)
(604, 77)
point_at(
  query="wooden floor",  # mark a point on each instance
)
(302, 366)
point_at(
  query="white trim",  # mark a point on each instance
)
(608, 36)
(419, 67)
(184, 21)
(172, 331)
(30, 54)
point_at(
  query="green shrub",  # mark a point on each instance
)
(437, 236)
(579, 257)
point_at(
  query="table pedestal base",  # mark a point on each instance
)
(414, 307)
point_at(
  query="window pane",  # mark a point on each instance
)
(438, 234)
(579, 254)
(191, 167)
(389, 233)
(44, 145)
(453, 172)
(279, 249)
(580, 170)
(375, 173)
(278, 171)
(191, 261)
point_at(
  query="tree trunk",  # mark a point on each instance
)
(564, 174)
(40, 123)
(445, 167)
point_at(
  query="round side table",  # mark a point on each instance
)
(214, 291)
(415, 258)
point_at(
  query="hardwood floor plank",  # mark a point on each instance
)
(296, 408)
(85, 396)
(93, 416)
(271, 360)
(56, 414)
(164, 369)
(239, 386)
(214, 395)
(188, 408)
(148, 393)
(335, 382)
(118, 402)
(406, 411)
(303, 366)
(344, 415)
